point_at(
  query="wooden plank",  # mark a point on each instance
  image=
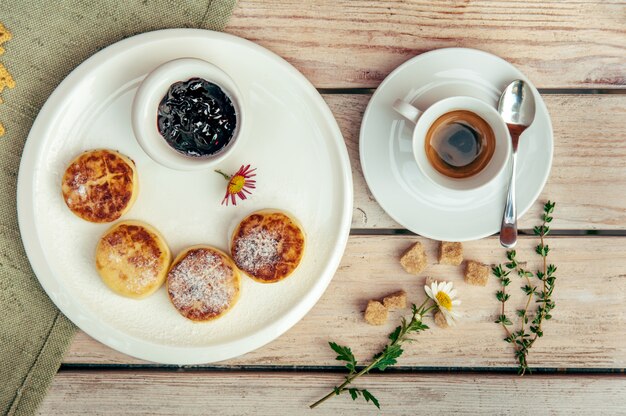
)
(268, 393)
(588, 177)
(587, 329)
(564, 44)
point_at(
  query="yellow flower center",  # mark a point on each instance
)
(444, 300)
(236, 184)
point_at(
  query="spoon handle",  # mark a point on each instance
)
(508, 229)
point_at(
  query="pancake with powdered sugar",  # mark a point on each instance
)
(268, 245)
(203, 283)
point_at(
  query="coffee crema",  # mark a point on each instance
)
(459, 144)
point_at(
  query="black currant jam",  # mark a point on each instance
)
(196, 117)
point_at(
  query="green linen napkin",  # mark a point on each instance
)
(50, 38)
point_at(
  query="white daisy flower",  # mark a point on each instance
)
(444, 296)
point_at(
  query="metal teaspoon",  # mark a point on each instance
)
(517, 108)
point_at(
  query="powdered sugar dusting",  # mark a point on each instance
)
(78, 186)
(256, 250)
(79, 178)
(148, 271)
(201, 285)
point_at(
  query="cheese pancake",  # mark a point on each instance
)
(203, 283)
(132, 259)
(100, 185)
(268, 245)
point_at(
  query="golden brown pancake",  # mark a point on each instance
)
(203, 283)
(132, 258)
(268, 245)
(100, 185)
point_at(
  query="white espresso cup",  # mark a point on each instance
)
(423, 120)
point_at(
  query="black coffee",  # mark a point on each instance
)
(459, 144)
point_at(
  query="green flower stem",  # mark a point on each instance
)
(521, 272)
(227, 177)
(527, 302)
(434, 306)
(508, 333)
(545, 276)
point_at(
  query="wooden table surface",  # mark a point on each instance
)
(575, 53)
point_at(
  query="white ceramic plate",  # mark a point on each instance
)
(392, 173)
(292, 139)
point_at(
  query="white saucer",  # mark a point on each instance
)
(392, 173)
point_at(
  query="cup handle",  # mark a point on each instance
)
(407, 111)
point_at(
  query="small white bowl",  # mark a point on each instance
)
(146, 103)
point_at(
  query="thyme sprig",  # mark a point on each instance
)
(524, 338)
(385, 358)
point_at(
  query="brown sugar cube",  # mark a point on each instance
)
(375, 313)
(414, 259)
(450, 253)
(395, 300)
(440, 320)
(476, 273)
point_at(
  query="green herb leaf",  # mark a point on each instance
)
(501, 296)
(498, 271)
(354, 393)
(389, 355)
(502, 319)
(369, 396)
(344, 354)
(395, 334)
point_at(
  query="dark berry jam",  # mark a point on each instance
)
(196, 117)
